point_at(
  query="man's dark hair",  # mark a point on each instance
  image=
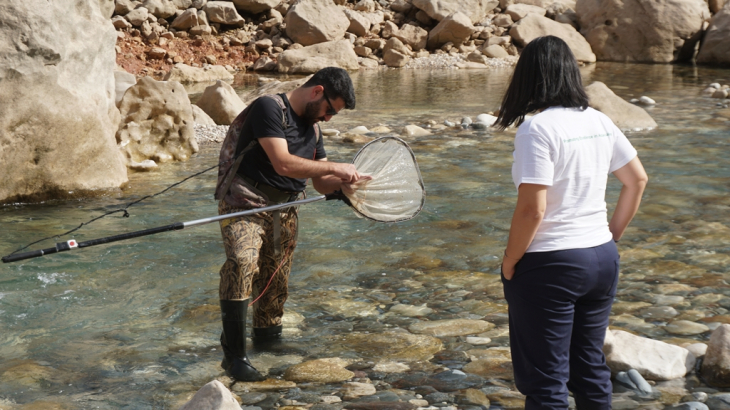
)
(546, 75)
(336, 83)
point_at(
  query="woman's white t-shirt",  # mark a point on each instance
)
(572, 152)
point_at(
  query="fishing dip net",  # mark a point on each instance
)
(396, 191)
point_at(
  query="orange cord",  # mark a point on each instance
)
(291, 242)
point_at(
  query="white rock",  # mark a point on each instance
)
(653, 359)
(359, 130)
(411, 311)
(122, 81)
(646, 100)
(311, 22)
(391, 367)
(697, 349)
(313, 58)
(213, 395)
(353, 390)
(478, 341)
(200, 117)
(185, 74)
(414, 131)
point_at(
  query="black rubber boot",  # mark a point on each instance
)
(264, 336)
(233, 340)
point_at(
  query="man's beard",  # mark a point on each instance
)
(311, 110)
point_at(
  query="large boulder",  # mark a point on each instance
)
(438, 10)
(359, 24)
(650, 31)
(186, 20)
(223, 12)
(57, 112)
(160, 8)
(653, 359)
(221, 103)
(186, 74)
(625, 115)
(315, 21)
(307, 60)
(455, 28)
(414, 36)
(157, 123)
(716, 365)
(535, 25)
(256, 6)
(716, 45)
(122, 81)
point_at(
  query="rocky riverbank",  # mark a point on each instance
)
(274, 35)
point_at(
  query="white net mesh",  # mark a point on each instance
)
(396, 191)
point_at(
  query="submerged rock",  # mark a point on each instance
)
(455, 327)
(330, 370)
(400, 346)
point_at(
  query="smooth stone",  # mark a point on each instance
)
(380, 129)
(478, 341)
(414, 131)
(213, 395)
(659, 312)
(667, 300)
(393, 345)
(252, 398)
(653, 359)
(715, 85)
(391, 367)
(698, 349)
(359, 130)
(330, 399)
(448, 381)
(699, 396)
(644, 100)
(411, 311)
(686, 328)
(353, 390)
(689, 405)
(449, 123)
(328, 370)
(623, 378)
(451, 327)
(639, 381)
(466, 122)
(271, 385)
(719, 401)
(486, 119)
(330, 132)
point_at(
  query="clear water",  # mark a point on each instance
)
(135, 325)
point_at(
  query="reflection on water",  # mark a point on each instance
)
(135, 324)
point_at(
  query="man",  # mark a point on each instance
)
(284, 148)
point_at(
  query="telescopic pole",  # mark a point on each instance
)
(72, 244)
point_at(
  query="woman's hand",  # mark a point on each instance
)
(508, 267)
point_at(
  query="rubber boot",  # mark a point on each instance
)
(266, 336)
(233, 341)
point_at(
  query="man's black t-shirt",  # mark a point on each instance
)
(264, 120)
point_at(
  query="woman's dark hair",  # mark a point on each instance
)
(546, 75)
(336, 83)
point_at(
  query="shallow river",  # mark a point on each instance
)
(135, 325)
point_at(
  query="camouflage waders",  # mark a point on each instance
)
(251, 260)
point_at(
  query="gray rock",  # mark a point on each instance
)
(455, 28)
(690, 405)
(223, 12)
(137, 16)
(186, 20)
(719, 401)
(639, 381)
(534, 25)
(160, 8)
(252, 398)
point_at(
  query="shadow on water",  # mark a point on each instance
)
(134, 325)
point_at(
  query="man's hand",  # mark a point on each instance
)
(346, 172)
(349, 189)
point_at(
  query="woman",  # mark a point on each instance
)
(560, 267)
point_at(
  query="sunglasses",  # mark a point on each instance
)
(331, 111)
